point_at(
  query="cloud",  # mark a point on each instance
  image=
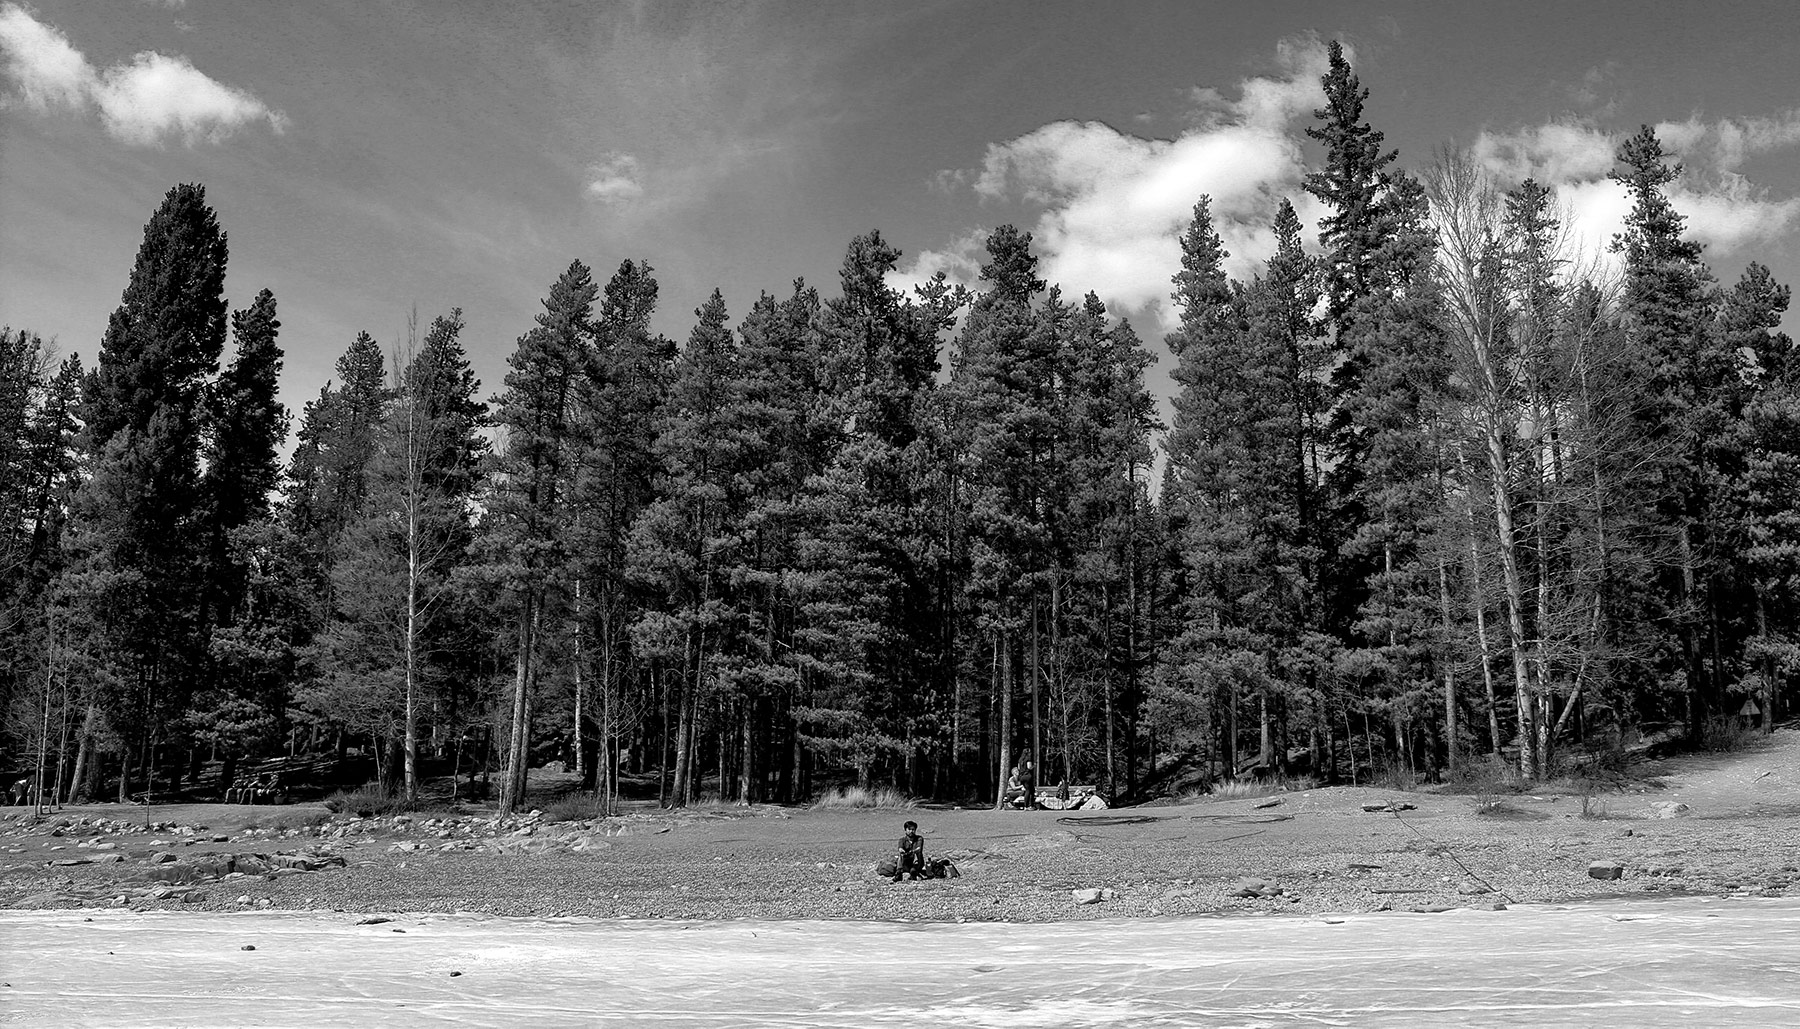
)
(615, 180)
(1560, 151)
(143, 101)
(1114, 204)
(1723, 209)
(157, 96)
(1725, 144)
(41, 62)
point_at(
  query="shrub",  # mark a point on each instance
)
(305, 819)
(1234, 789)
(572, 807)
(367, 801)
(1484, 774)
(1497, 807)
(1395, 775)
(860, 797)
(1727, 735)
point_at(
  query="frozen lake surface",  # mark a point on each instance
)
(1670, 963)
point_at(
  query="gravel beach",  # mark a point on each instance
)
(1713, 825)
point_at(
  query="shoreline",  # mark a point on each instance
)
(1311, 853)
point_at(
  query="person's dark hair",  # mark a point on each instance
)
(910, 825)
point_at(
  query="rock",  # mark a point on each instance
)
(1268, 803)
(454, 974)
(1605, 869)
(199, 869)
(162, 857)
(73, 861)
(1668, 809)
(248, 946)
(374, 920)
(1253, 887)
(1087, 896)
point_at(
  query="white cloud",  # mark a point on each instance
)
(1734, 213)
(144, 101)
(1723, 209)
(1114, 204)
(1560, 151)
(615, 180)
(1725, 144)
(157, 96)
(41, 62)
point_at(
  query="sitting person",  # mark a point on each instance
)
(912, 854)
(1015, 789)
(271, 792)
(248, 793)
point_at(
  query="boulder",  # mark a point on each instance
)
(198, 869)
(252, 864)
(1605, 869)
(162, 857)
(1253, 887)
(1087, 896)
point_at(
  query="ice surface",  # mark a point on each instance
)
(1683, 963)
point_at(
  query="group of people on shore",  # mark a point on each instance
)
(266, 788)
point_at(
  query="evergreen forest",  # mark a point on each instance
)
(1440, 496)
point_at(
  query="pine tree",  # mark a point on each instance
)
(1765, 496)
(617, 405)
(396, 623)
(1111, 416)
(876, 627)
(1004, 376)
(248, 426)
(679, 544)
(775, 413)
(140, 535)
(1668, 310)
(528, 515)
(328, 477)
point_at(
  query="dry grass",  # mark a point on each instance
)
(1238, 789)
(280, 818)
(880, 797)
(367, 801)
(573, 807)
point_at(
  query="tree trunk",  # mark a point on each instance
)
(1003, 691)
(1450, 714)
(678, 795)
(512, 786)
(580, 697)
(84, 754)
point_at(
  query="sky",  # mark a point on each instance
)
(372, 157)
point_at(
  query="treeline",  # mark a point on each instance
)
(1434, 491)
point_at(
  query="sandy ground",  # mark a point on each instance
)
(1685, 962)
(1709, 825)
